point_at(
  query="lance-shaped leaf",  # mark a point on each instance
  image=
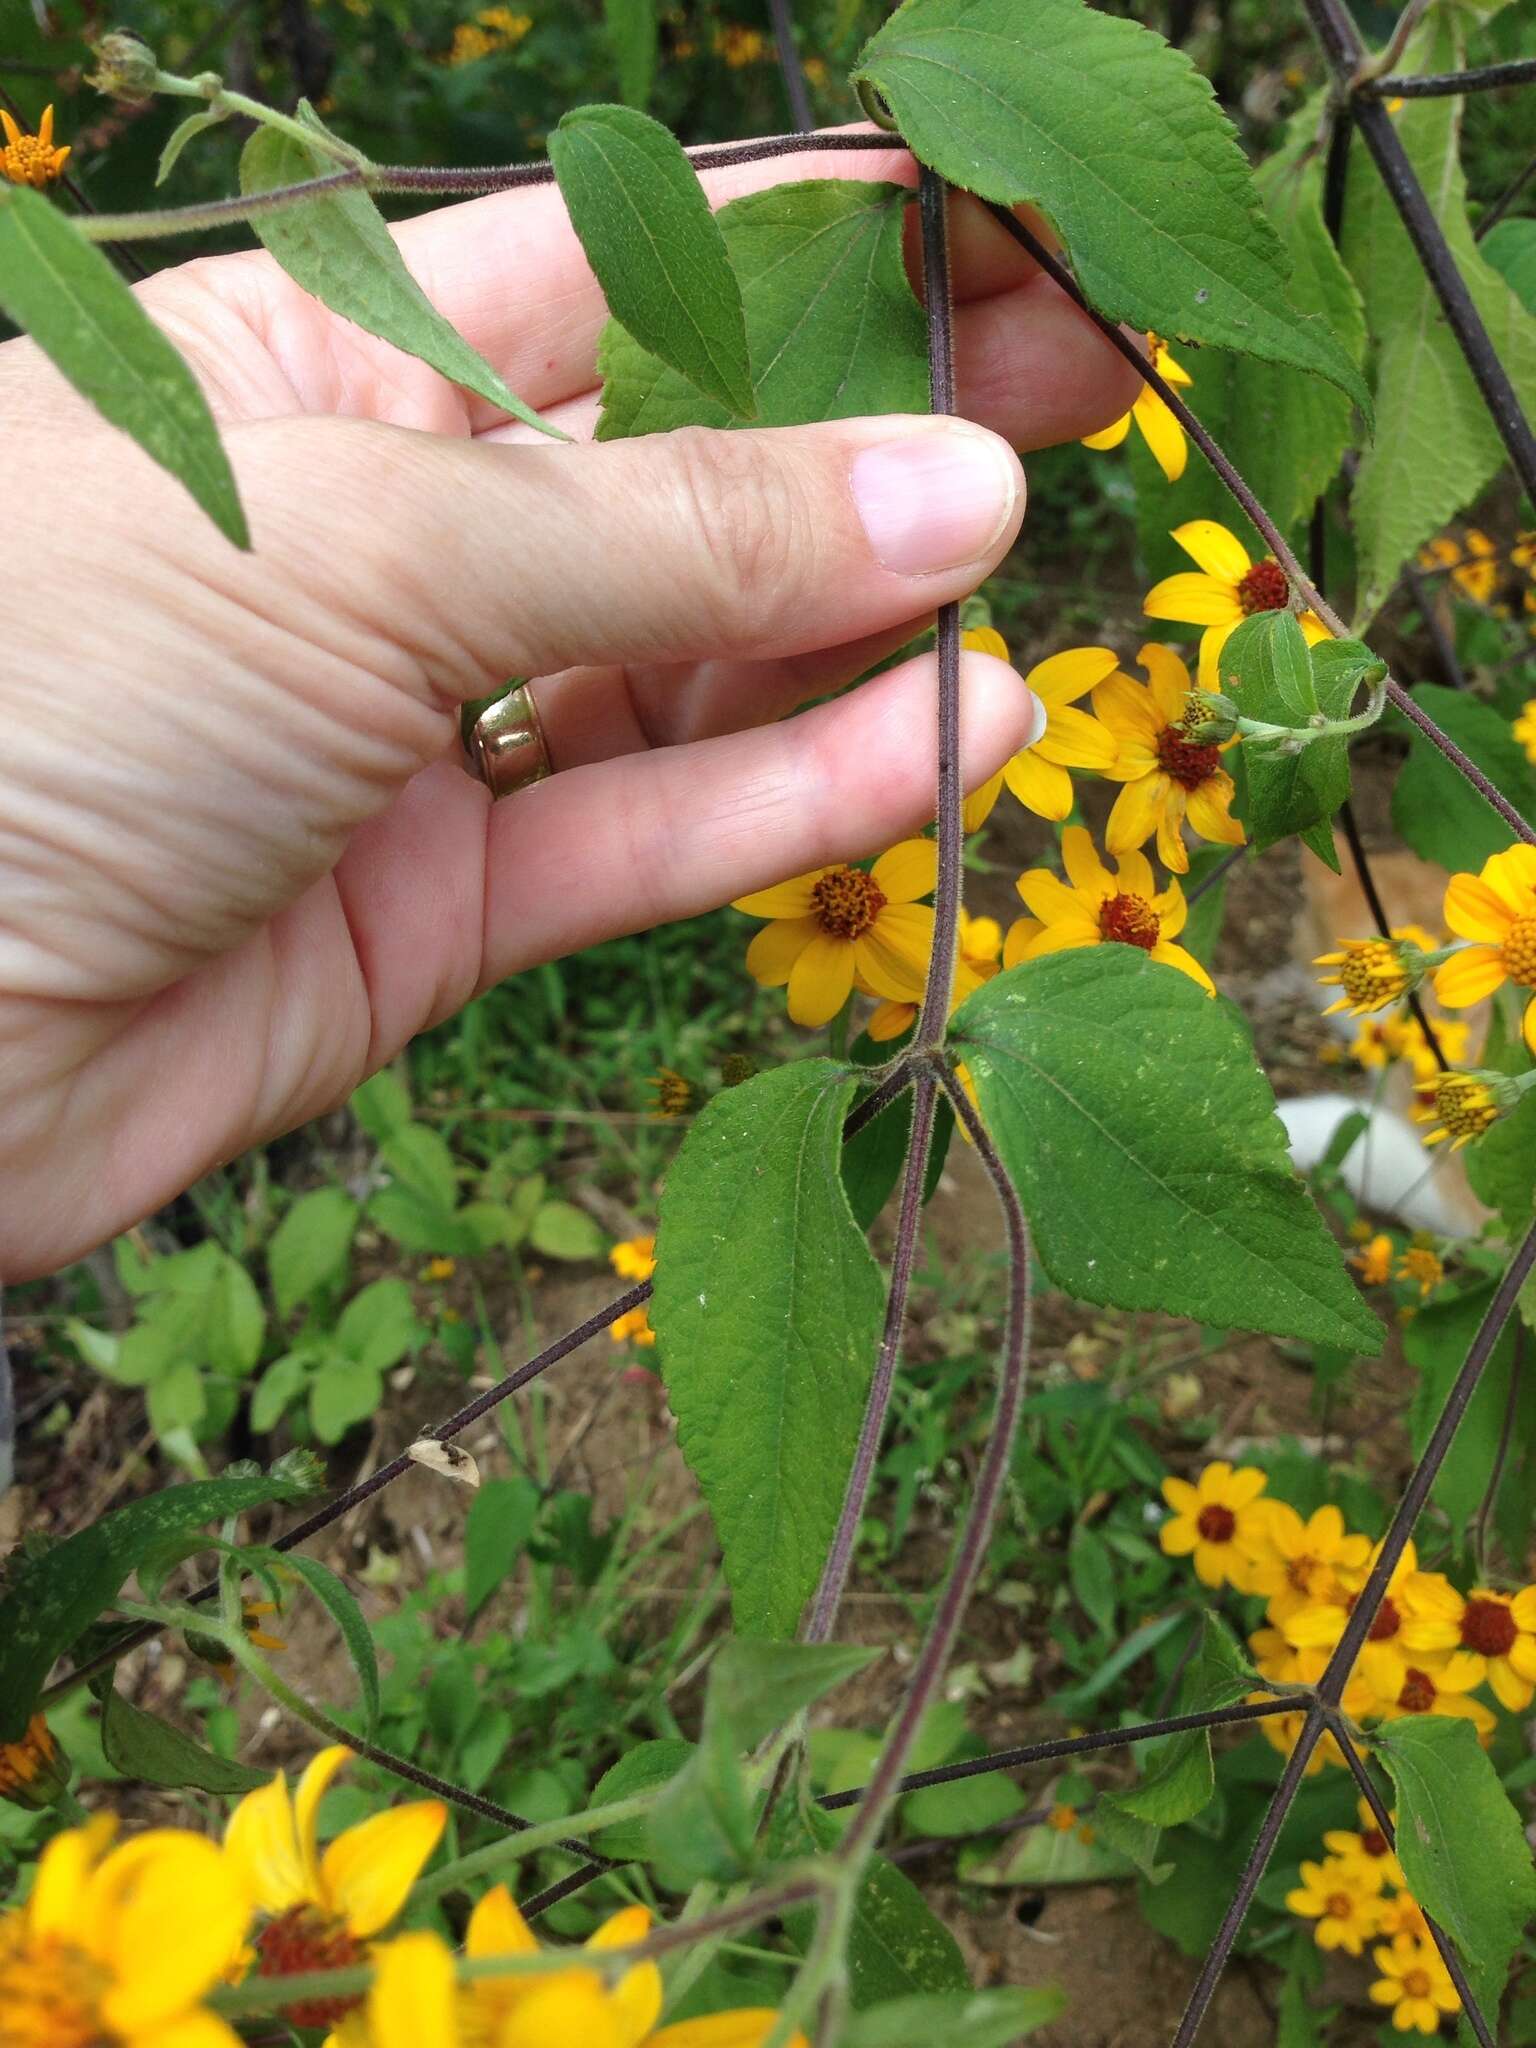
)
(152, 1752)
(84, 318)
(767, 1311)
(339, 248)
(631, 26)
(657, 251)
(833, 329)
(1435, 446)
(1144, 1143)
(1118, 138)
(52, 1599)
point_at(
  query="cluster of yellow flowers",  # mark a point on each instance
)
(633, 1259)
(1429, 1647)
(492, 30)
(1380, 1260)
(1356, 1893)
(1473, 563)
(31, 159)
(124, 1946)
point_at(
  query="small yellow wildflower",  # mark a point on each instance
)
(740, 46)
(1229, 588)
(1038, 775)
(1159, 428)
(1369, 1847)
(1462, 1105)
(322, 1908)
(977, 960)
(1373, 1262)
(31, 159)
(1216, 1521)
(493, 29)
(440, 1269)
(1416, 1984)
(674, 1093)
(1062, 1818)
(837, 923)
(1098, 908)
(1496, 910)
(1404, 1688)
(1525, 729)
(1478, 571)
(1495, 1631)
(117, 1948)
(1167, 776)
(1423, 1267)
(1371, 972)
(634, 1258)
(1340, 1896)
(1293, 1561)
(1403, 1916)
(32, 1771)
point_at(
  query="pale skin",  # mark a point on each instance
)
(241, 864)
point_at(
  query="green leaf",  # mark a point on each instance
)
(637, 205)
(51, 1599)
(1501, 1166)
(382, 1104)
(1435, 1344)
(1510, 246)
(875, 1155)
(1144, 1143)
(339, 249)
(343, 1392)
(768, 1310)
(897, 1948)
(631, 26)
(1269, 672)
(420, 1159)
(378, 1326)
(1202, 931)
(1092, 1572)
(309, 1247)
(1434, 808)
(177, 1400)
(968, 1806)
(1435, 445)
(279, 1387)
(183, 133)
(82, 315)
(343, 1609)
(833, 330)
(645, 1768)
(755, 1688)
(1180, 1780)
(1461, 1844)
(703, 1826)
(496, 1531)
(980, 2019)
(1120, 141)
(1139, 1841)
(151, 1752)
(562, 1231)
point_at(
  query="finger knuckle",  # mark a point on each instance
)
(752, 517)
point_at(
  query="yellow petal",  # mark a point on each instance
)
(784, 899)
(1063, 678)
(1474, 911)
(411, 2004)
(13, 136)
(571, 2009)
(1074, 740)
(57, 1903)
(1133, 873)
(1212, 641)
(748, 2028)
(1048, 897)
(1175, 956)
(1017, 937)
(262, 1842)
(890, 1020)
(1169, 680)
(775, 949)
(1170, 371)
(1528, 1025)
(497, 1928)
(1040, 786)
(977, 808)
(312, 1788)
(908, 871)
(820, 980)
(1171, 850)
(1208, 811)
(368, 1871)
(1193, 600)
(981, 938)
(199, 2029)
(636, 2003)
(1511, 875)
(1127, 709)
(893, 954)
(1214, 548)
(1468, 976)
(985, 640)
(45, 128)
(1086, 871)
(620, 1930)
(164, 1880)
(1513, 1693)
(1136, 812)
(1111, 436)
(1064, 937)
(1162, 434)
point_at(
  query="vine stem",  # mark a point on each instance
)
(839, 1559)
(1274, 539)
(790, 68)
(1442, 84)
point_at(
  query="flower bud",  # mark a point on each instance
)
(1372, 973)
(34, 1772)
(126, 68)
(1209, 719)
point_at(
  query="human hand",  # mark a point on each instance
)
(240, 862)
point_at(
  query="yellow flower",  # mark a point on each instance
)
(116, 1948)
(1339, 1895)
(1062, 1818)
(1404, 1688)
(1372, 974)
(1463, 1106)
(31, 159)
(1423, 1267)
(633, 1327)
(1379, 1041)
(32, 1771)
(1403, 1915)
(1478, 571)
(1369, 1848)
(1100, 909)
(493, 29)
(1159, 429)
(1166, 776)
(1494, 1631)
(838, 922)
(674, 1093)
(634, 1258)
(322, 1907)
(977, 959)
(1228, 589)
(1283, 1732)
(415, 2003)
(1292, 1561)
(1215, 1521)
(739, 46)
(1373, 1261)
(1525, 729)
(440, 1269)
(1496, 909)
(1416, 1984)
(1072, 739)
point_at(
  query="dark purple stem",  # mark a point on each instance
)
(1440, 84)
(790, 68)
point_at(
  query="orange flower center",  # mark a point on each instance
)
(847, 902)
(1131, 921)
(1464, 1106)
(1216, 1524)
(1264, 588)
(1418, 1693)
(1374, 1843)
(301, 1940)
(1183, 760)
(50, 1993)
(1386, 1623)
(1520, 952)
(1373, 972)
(1416, 1983)
(30, 162)
(1488, 1627)
(1340, 1906)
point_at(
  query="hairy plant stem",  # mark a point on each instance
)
(1441, 84)
(1506, 199)
(791, 70)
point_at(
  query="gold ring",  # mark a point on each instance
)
(507, 749)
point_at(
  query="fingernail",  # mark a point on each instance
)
(1037, 720)
(936, 500)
